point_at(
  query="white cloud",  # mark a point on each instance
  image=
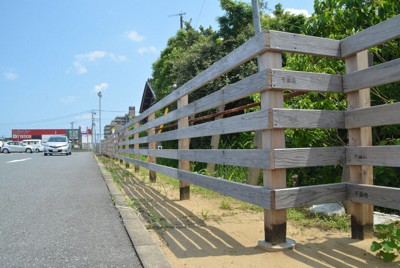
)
(79, 67)
(91, 56)
(68, 99)
(10, 75)
(103, 86)
(134, 36)
(117, 58)
(298, 12)
(145, 50)
(83, 59)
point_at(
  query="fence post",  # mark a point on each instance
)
(136, 147)
(183, 144)
(274, 220)
(152, 146)
(120, 147)
(361, 214)
(126, 147)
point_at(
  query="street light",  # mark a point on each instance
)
(100, 95)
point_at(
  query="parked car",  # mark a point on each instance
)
(57, 145)
(15, 146)
(35, 144)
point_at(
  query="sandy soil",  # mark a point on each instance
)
(198, 233)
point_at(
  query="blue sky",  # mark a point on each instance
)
(55, 55)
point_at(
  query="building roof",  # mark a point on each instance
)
(148, 98)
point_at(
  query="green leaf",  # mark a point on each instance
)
(387, 256)
(375, 246)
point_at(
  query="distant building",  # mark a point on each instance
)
(119, 121)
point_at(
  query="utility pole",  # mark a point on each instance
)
(181, 17)
(72, 133)
(93, 126)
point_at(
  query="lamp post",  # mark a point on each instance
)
(100, 95)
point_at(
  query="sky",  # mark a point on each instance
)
(55, 55)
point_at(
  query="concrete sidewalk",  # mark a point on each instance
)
(147, 250)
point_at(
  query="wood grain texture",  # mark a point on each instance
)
(303, 44)
(387, 114)
(377, 75)
(306, 81)
(387, 197)
(309, 119)
(373, 36)
(387, 156)
(308, 157)
(246, 87)
(240, 55)
(255, 195)
(309, 195)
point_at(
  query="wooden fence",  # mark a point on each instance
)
(272, 119)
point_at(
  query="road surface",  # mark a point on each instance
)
(55, 211)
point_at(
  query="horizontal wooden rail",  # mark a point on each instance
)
(382, 74)
(305, 81)
(373, 36)
(246, 87)
(242, 54)
(307, 157)
(297, 118)
(388, 156)
(237, 157)
(255, 195)
(387, 197)
(380, 115)
(303, 44)
(308, 195)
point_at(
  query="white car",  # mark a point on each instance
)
(57, 145)
(16, 147)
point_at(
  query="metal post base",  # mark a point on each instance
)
(290, 244)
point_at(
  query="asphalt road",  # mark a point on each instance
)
(55, 211)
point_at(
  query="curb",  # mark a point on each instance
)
(147, 250)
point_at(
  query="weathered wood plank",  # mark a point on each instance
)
(298, 43)
(382, 74)
(164, 153)
(309, 195)
(387, 114)
(387, 156)
(247, 158)
(242, 54)
(245, 122)
(255, 195)
(373, 36)
(361, 214)
(237, 157)
(246, 87)
(308, 157)
(297, 118)
(305, 81)
(387, 197)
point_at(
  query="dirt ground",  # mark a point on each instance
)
(199, 233)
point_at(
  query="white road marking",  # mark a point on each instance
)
(19, 160)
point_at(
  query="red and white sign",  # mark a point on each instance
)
(26, 134)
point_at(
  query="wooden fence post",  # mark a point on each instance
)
(120, 147)
(126, 148)
(183, 144)
(152, 146)
(361, 214)
(274, 220)
(136, 147)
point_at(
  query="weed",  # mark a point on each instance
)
(389, 244)
(225, 204)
